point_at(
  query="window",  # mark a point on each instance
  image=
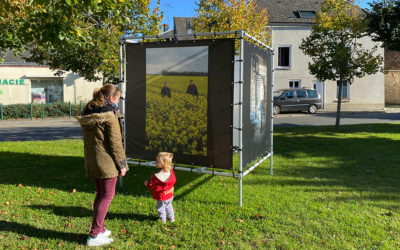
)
(289, 94)
(284, 56)
(312, 94)
(47, 91)
(189, 27)
(301, 94)
(306, 13)
(345, 91)
(294, 84)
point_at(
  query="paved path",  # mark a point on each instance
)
(31, 130)
(53, 129)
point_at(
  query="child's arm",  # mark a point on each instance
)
(150, 184)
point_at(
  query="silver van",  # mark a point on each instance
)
(297, 100)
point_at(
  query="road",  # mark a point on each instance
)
(53, 129)
(329, 118)
(32, 130)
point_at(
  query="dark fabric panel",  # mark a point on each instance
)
(219, 113)
(135, 99)
(255, 133)
(220, 101)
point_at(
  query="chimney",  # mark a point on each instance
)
(165, 27)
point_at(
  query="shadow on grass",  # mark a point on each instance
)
(45, 234)
(82, 212)
(355, 161)
(66, 173)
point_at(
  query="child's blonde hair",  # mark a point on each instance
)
(165, 159)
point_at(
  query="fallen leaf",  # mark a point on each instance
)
(240, 220)
(140, 204)
(20, 185)
(7, 203)
(59, 243)
(340, 192)
(4, 212)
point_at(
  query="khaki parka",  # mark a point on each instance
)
(103, 144)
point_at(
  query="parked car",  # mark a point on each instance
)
(297, 100)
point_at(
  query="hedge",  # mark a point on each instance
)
(23, 111)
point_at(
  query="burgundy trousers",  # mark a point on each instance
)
(105, 191)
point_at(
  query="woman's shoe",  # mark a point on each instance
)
(99, 240)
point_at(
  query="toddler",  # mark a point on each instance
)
(162, 186)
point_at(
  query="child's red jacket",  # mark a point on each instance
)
(162, 191)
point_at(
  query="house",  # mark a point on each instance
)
(290, 22)
(392, 77)
(23, 82)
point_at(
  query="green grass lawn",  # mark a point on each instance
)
(329, 190)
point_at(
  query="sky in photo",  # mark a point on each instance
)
(178, 59)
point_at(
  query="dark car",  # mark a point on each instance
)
(297, 100)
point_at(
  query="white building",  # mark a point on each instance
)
(22, 82)
(290, 21)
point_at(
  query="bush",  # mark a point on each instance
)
(23, 111)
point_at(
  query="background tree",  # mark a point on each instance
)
(230, 15)
(80, 36)
(334, 46)
(384, 23)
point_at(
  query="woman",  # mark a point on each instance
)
(105, 157)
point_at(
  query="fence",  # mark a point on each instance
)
(37, 111)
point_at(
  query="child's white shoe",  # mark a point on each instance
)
(99, 240)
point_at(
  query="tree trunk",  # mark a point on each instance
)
(339, 104)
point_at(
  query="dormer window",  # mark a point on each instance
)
(189, 27)
(306, 13)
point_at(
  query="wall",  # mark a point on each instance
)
(75, 88)
(392, 87)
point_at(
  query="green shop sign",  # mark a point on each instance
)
(12, 82)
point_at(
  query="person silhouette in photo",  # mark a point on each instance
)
(192, 89)
(165, 91)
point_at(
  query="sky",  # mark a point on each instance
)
(186, 8)
(178, 59)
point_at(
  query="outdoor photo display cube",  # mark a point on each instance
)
(179, 99)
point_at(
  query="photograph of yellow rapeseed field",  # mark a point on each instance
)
(176, 99)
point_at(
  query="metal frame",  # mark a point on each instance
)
(241, 35)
